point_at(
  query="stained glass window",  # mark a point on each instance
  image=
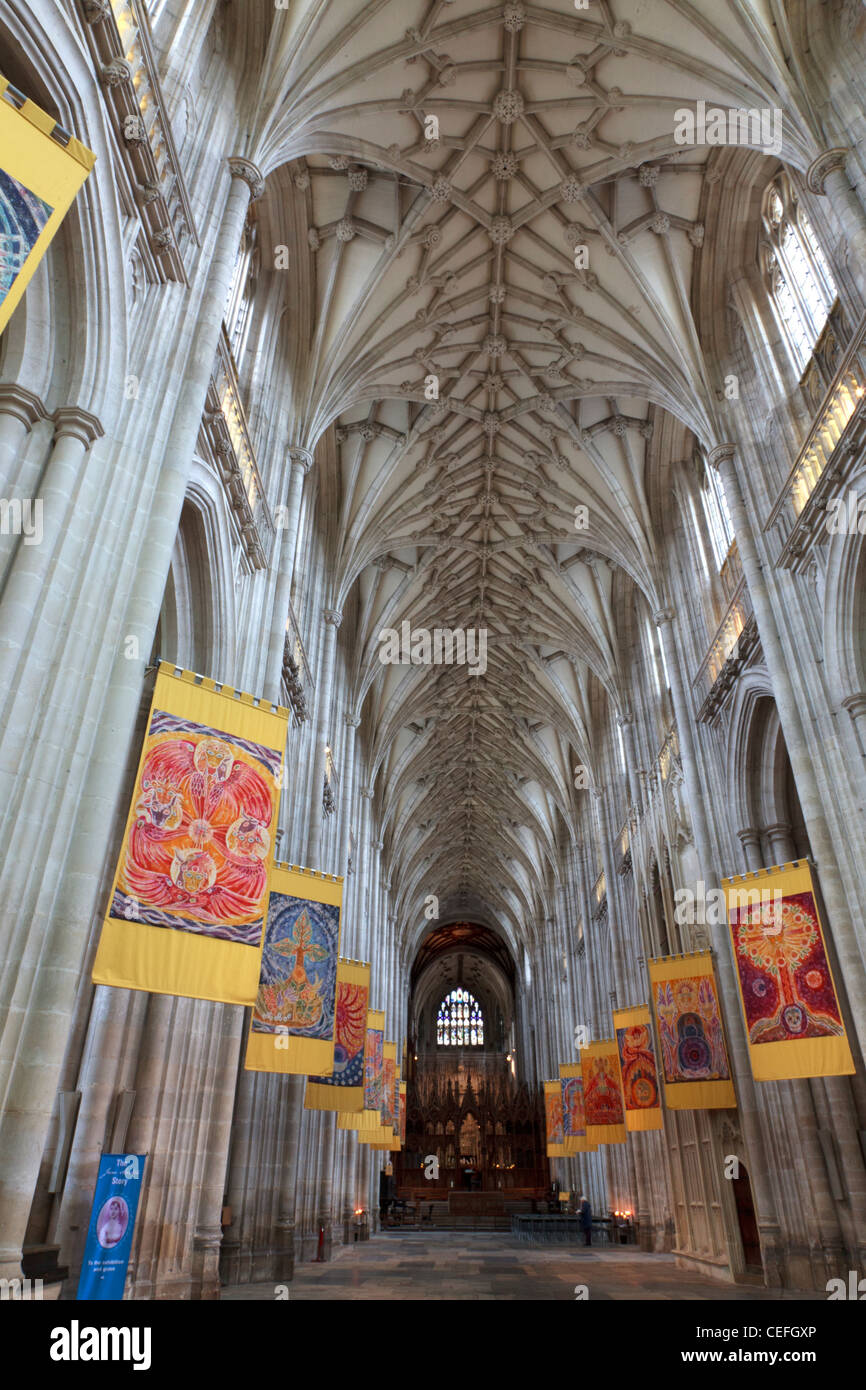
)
(459, 1021)
(798, 276)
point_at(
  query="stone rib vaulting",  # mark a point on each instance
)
(385, 331)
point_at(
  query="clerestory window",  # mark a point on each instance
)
(798, 277)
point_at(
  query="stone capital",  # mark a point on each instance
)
(855, 704)
(663, 616)
(251, 174)
(723, 453)
(368, 793)
(302, 457)
(80, 424)
(749, 835)
(333, 617)
(352, 721)
(17, 401)
(779, 827)
(624, 720)
(826, 163)
(378, 845)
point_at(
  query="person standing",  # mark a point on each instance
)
(584, 1212)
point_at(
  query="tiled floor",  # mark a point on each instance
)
(413, 1266)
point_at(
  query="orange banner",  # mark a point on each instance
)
(602, 1094)
(637, 1068)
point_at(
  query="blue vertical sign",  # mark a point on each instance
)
(112, 1222)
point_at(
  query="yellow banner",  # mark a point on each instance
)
(369, 1117)
(390, 1074)
(793, 1020)
(190, 895)
(41, 171)
(344, 1088)
(573, 1117)
(602, 1093)
(553, 1119)
(693, 1054)
(638, 1071)
(292, 1024)
(383, 1136)
(387, 1137)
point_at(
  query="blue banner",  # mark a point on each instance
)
(112, 1222)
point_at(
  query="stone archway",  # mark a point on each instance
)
(762, 790)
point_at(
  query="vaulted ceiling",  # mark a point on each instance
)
(501, 239)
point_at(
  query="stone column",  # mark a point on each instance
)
(26, 586)
(820, 837)
(347, 800)
(293, 1100)
(750, 839)
(19, 412)
(827, 176)
(302, 461)
(362, 902)
(749, 1109)
(610, 882)
(344, 1184)
(626, 724)
(332, 619)
(781, 843)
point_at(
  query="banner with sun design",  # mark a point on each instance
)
(41, 171)
(403, 1088)
(374, 1061)
(794, 1024)
(344, 1088)
(694, 1057)
(573, 1114)
(602, 1094)
(294, 1015)
(190, 895)
(553, 1119)
(637, 1068)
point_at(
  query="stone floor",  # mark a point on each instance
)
(407, 1266)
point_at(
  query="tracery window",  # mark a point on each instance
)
(459, 1021)
(237, 313)
(797, 273)
(718, 518)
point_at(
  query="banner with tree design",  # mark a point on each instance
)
(793, 1019)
